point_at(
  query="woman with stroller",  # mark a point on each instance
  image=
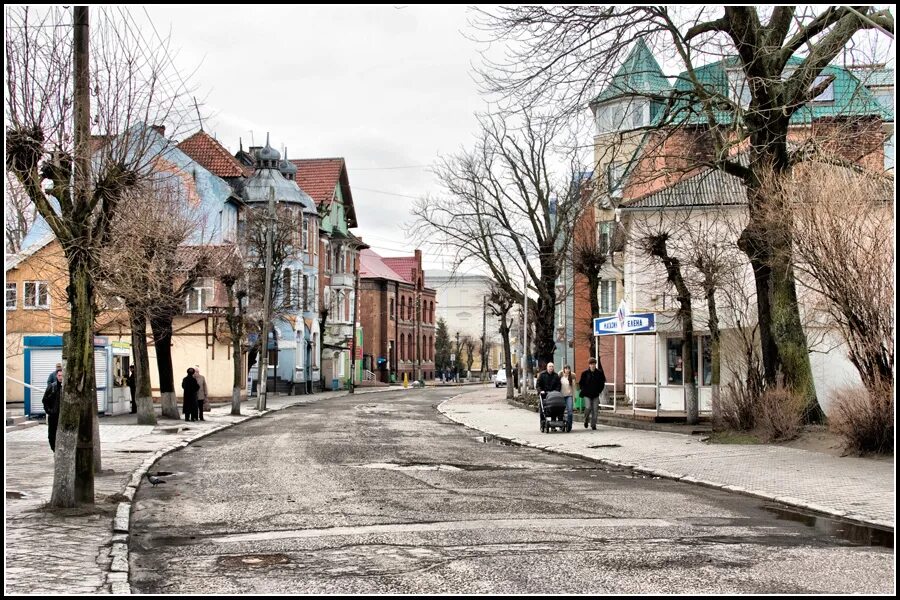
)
(566, 384)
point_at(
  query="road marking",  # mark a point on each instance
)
(437, 527)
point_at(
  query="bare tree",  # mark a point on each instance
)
(843, 236)
(53, 64)
(19, 213)
(500, 303)
(562, 54)
(233, 275)
(471, 346)
(286, 248)
(507, 206)
(143, 261)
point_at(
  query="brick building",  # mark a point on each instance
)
(397, 313)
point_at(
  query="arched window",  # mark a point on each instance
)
(402, 307)
(402, 347)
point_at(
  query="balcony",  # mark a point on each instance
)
(342, 280)
(339, 330)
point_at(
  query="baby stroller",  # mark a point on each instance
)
(553, 412)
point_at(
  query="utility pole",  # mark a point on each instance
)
(418, 330)
(263, 372)
(458, 356)
(525, 332)
(483, 337)
(353, 340)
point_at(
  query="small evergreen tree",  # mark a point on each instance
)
(442, 347)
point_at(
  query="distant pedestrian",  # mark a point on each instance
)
(51, 402)
(52, 376)
(132, 386)
(592, 384)
(191, 387)
(567, 384)
(202, 396)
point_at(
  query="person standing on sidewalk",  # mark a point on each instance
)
(548, 381)
(132, 385)
(592, 384)
(567, 382)
(52, 377)
(202, 397)
(190, 387)
(52, 397)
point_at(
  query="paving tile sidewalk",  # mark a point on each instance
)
(79, 551)
(857, 489)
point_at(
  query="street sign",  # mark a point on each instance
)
(619, 324)
(452, 357)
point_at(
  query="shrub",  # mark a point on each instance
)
(865, 418)
(780, 415)
(738, 406)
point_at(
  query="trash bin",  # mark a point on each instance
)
(335, 384)
(579, 401)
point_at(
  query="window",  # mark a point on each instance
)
(675, 362)
(315, 353)
(306, 292)
(615, 177)
(10, 296)
(738, 90)
(889, 153)
(286, 287)
(604, 236)
(305, 235)
(35, 295)
(827, 94)
(328, 266)
(607, 296)
(391, 313)
(885, 96)
(625, 113)
(200, 295)
(402, 307)
(706, 360)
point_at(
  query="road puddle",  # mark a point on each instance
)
(863, 535)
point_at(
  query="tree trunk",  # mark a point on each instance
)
(507, 357)
(715, 350)
(768, 245)
(73, 469)
(236, 384)
(146, 413)
(162, 341)
(593, 290)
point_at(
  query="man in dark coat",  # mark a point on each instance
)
(51, 400)
(131, 386)
(548, 381)
(592, 384)
(191, 387)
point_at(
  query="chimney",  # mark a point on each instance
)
(160, 129)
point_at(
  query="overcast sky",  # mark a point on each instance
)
(382, 87)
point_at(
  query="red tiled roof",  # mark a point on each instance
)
(319, 176)
(372, 266)
(406, 266)
(213, 156)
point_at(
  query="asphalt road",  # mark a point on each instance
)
(379, 493)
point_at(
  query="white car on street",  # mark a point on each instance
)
(500, 378)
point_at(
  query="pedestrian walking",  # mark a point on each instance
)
(548, 381)
(51, 401)
(567, 383)
(592, 383)
(202, 397)
(132, 386)
(191, 387)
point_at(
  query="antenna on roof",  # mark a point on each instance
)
(241, 144)
(199, 118)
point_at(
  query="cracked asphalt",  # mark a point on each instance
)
(379, 493)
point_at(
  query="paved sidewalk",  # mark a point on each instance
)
(857, 489)
(85, 550)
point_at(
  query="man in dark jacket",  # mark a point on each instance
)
(592, 384)
(548, 381)
(190, 387)
(132, 385)
(51, 399)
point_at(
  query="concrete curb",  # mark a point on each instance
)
(785, 500)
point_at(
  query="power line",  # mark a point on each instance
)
(356, 187)
(389, 168)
